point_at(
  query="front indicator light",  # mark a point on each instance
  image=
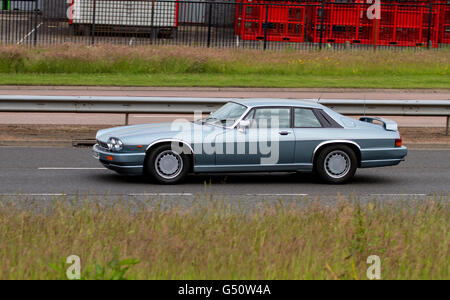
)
(110, 158)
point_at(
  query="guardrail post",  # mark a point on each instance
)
(447, 125)
(127, 118)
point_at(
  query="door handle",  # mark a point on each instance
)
(284, 132)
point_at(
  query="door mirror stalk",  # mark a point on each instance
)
(243, 124)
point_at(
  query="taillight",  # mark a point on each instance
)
(398, 142)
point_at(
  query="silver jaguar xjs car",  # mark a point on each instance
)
(258, 135)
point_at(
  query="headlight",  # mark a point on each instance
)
(114, 144)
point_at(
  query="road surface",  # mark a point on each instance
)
(40, 174)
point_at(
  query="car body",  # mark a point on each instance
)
(254, 135)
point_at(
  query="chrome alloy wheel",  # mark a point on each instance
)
(168, 164)
(337, 164)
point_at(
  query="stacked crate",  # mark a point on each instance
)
(342, 23)
(444, 28)
(401, 24)
(273, 21)
(408, 25)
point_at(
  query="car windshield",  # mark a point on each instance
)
(227, 115)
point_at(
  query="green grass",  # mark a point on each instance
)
(189, 66)
(219, 80)
(302, 240)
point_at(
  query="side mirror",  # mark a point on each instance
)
(243, 124)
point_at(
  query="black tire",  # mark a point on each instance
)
(184, 164)
(336, 164)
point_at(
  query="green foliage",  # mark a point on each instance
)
(110, 59)
(212, 240)
(114, 269)
(190, 66)
(218, 80)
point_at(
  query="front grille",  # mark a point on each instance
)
(102, 145)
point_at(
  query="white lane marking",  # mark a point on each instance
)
(67, 168)
(29, 33)
(162, 194)
(398, 194)
(276, 194)
(143, 194)
(33, 194)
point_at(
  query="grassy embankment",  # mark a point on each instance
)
(213, 241)
(188, 66)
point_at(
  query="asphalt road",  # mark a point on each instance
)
(47, 173)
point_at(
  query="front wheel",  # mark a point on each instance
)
(336, 164)
(167, 165)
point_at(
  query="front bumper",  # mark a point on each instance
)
(123, 163)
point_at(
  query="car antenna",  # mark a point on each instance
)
(364, 106)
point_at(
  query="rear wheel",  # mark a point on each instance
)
(167, 165)
(336, 164)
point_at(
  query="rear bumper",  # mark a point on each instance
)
(381, 157)
(123, 163)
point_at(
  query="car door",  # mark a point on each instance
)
(309, 132)
(268, 144)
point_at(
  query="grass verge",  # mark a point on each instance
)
(304, 240)
(189, 66)
(239, 80)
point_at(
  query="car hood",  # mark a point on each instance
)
(147, 133)
(126, 131)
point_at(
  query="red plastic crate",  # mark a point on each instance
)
(408, 25)
(399, 24)
(342, 23)
(444, 28)
(284, 21)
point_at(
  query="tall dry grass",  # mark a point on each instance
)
(189, 60)
(214, 241)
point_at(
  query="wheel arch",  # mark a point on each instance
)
(354, 146)
(168, 142)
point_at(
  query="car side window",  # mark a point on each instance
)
(272, 118)
(305, 118)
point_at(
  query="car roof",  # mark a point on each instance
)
(259, 102)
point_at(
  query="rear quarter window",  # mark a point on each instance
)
(305, 118)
